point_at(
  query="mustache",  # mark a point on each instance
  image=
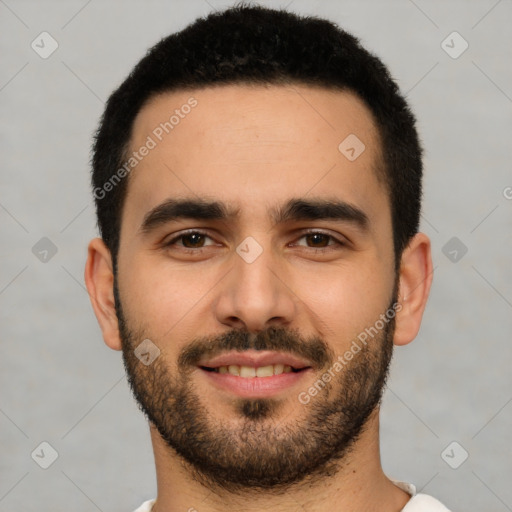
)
(277, 339)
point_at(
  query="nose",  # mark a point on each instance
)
(256, 295)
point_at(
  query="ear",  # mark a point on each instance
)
(415, 277)
(99, 279)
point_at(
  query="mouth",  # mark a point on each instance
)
(248, 372)
(254, 374)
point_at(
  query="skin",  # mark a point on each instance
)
(255, 148)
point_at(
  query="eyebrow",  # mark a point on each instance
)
(296, 209)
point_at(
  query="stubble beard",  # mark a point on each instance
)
(266, 450)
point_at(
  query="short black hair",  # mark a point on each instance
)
(256, 45)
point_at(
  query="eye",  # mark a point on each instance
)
(193, 241)
(319, 240)
(190, 240)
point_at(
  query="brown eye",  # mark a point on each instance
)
(190, 240)
(196, 240)
(318, 239)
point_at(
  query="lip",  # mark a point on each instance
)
(254, 387)
(256, 358)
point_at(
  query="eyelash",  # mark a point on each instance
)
(197, 250)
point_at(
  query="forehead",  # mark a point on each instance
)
(255, 145)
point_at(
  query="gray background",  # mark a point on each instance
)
(60, 384)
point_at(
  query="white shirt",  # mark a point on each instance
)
(417, 503)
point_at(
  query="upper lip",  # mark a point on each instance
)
(255, 359)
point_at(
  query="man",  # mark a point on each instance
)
(257, 180)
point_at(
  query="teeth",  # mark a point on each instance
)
(234, 370)
(278, 369)
(264, 371)
(249, 371)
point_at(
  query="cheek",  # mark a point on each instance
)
(344, 302)
(161, 295)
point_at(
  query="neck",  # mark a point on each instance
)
(358, 485)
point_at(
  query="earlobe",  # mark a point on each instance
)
(99, 279)
(415, 281)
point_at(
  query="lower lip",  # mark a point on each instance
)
(255, 387)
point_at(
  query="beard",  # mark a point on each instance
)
(261, 450)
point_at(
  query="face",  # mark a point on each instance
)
(255, 256)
